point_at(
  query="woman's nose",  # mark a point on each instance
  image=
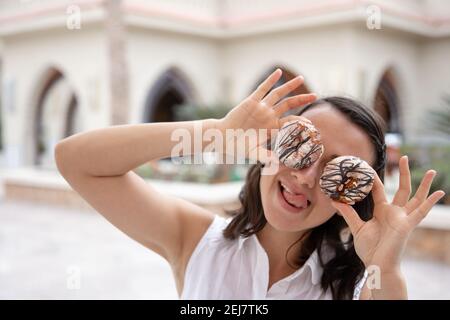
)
(307, 176)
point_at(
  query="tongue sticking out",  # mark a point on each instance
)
(299, 200)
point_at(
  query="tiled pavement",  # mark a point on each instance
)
(54, 253)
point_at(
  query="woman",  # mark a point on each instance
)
(278, 245)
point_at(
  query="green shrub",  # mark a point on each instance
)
(423, 158)
(439, 118)
(188, 112)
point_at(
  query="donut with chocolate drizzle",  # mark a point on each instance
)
(347, 179)
(298, 144)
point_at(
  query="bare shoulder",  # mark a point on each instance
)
(195, 221)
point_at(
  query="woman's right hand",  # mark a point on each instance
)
(263, 111)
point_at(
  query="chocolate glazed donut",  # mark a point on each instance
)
(347, 179)
(298, 144)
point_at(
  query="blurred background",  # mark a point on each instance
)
(71, 66)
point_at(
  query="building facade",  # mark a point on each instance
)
(71, 66)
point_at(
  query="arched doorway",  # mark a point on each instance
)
(1, 109)
(170, 91)
(72, 121)
(386, 102)
(57, 116)
(286, 76)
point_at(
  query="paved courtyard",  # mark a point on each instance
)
(54, 253)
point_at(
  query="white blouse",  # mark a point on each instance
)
(238, 269)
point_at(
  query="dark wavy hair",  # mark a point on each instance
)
(345, 269)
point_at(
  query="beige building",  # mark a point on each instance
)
(72, 65)
(69, 66)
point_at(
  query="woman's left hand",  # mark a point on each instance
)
(381, 240)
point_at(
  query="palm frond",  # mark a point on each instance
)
(439, 119)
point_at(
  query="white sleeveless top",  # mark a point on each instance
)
(220, 268)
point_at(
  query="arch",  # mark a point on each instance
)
(386, 104)
(287, 75)
(1, 105)
(55, 115)
(71, 125)
(171, 89)
(386, 101)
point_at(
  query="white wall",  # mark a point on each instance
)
(319, 54)
(379, 50)
(78, 54)
(347, 59)
(434, 77)
(341, 59)
(152, 52)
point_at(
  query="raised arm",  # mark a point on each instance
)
(98, 165)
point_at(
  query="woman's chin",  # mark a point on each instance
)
(283, 218)
(282, 222)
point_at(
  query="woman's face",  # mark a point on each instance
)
(339, 137)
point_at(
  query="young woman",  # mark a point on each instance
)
(270, 248)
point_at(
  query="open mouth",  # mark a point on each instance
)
(291, 201)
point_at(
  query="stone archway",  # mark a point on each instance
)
(1, 107)
(386, 102)
(56, 116)
(72, 124)
(170, 90)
